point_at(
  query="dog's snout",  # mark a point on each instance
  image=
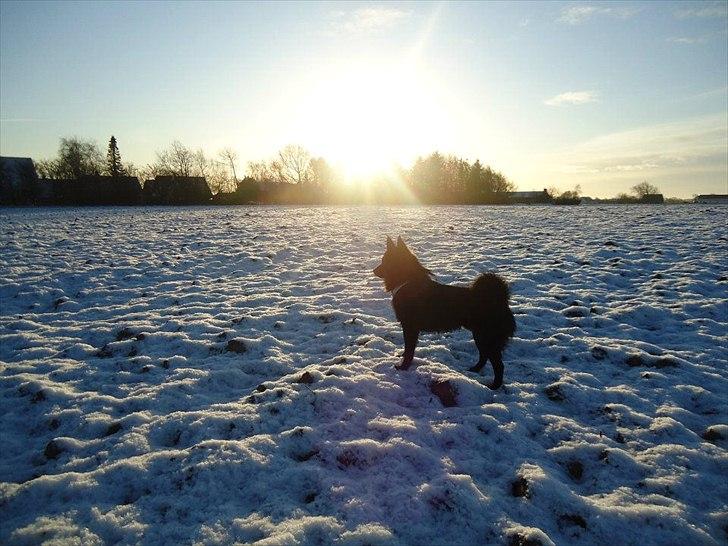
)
(378, 271)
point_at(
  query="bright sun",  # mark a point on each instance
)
(366, 118)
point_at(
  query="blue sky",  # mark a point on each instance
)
(553, 94)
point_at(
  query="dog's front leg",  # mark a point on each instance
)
(410, 342)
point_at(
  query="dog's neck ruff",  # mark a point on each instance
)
(395, 290)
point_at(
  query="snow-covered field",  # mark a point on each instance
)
(220, 375)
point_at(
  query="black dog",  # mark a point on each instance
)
(423, 305)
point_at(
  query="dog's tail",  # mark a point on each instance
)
(492, 288)
(492, 293)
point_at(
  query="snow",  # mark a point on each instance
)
(221, 375)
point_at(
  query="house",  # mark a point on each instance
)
(177, 190)
(711, 199)
(88, 190)
(18, 180)
(99, 190)
(530, 197)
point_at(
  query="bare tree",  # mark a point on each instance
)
(48, 168)
(260, 171)
(322, 174)
(177, 160)
(499, 183)
(228, 156)
(218, 178)
(625, 198)
(201, 165)
(130, 169)
(148, 172)
(644, 189)
(76, 158)
(79, 158)
(554, 192)
(293, 165)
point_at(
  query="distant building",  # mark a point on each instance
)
(712, 199)
(247, 192)
(530, 197)
(18, 180)
(50, 191)
(100, 190)
(652, 199)
(177, 190)
(89, 190)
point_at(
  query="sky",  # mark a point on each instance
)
(604, 95)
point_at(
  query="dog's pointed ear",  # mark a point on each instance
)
(390, 243)
(400, 243)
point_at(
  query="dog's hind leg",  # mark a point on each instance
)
(480, 344)
(497, 360)
(479, 366)
(488, 352)
(410, 342)
(479, 338)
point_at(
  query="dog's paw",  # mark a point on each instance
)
(494, 386)
(475, 369)
(403, 366)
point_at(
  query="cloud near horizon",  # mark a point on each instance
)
(572, 97)
(662, 146)
(681, 158)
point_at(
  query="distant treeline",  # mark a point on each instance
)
(80, 175)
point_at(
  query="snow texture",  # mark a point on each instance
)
(222, 375)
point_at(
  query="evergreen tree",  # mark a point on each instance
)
(476, 183)
(113, 160)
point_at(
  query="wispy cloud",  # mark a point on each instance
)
(712, 10)
(687, 40)
(666, 146)
(715, 92)
(702, 39)
(365, 20)
(572, 97)
(575, 15)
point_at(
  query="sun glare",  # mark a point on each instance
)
(368, 118)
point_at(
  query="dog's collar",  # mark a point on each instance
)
(395, 290)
